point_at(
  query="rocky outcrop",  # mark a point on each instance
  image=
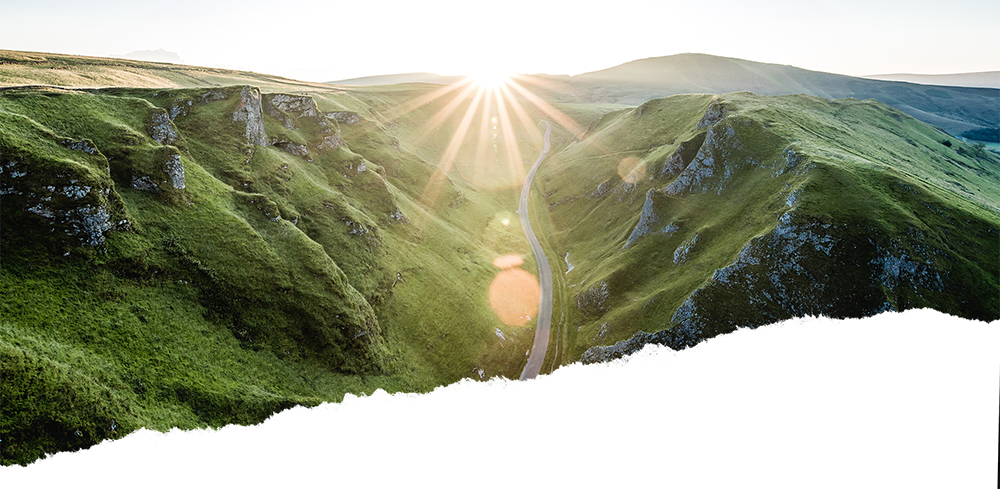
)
(601, 189)
(332, 141)
(649, 222)
(593, 301)
(63, 199)
(166, 176)
(162, 129)
(681, 253)
(715, 113)
(290, 147)
(85, 145)
(696, 176)
(801, 268)
(345, 117)
(288, 109)
(179, 109)
(250, 112)
(683, 155)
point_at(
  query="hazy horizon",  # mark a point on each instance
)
(316, 41)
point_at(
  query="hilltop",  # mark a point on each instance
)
(954, 109)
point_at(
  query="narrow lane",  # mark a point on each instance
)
(537, 356)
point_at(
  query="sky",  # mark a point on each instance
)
(334, 40)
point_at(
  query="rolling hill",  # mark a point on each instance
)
(401, 78)
(954, 109)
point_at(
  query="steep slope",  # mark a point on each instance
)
(954, 109)
(692, 215)
(204, 256)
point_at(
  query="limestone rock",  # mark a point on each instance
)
(64, 199)
(713, 115)
(166, 176)
(290, 147)
(649, 222)
(250, 112)
(330, 142)
(162, 129)
(289, 108)
(349, 118)
(593, 301)
(85, 145)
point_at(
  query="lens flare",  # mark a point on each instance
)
(632, 169)
(481, 129)
(514, 296)
(508, 261)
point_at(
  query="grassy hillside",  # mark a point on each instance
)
(954, 109)
(697, 214)
(203, 256)
(192, 247)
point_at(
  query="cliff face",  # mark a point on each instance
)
(767, 208)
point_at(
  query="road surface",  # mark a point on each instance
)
(534, 365)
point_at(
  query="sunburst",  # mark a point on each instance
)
(488, 119)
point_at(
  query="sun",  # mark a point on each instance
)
(490, 78)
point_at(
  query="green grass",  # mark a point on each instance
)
(278, 277)
(269, 280)
(863, 153)
(883, 181)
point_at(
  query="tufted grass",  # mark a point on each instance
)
(207, 310)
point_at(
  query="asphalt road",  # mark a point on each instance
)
(537, 356)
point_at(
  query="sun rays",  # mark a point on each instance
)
(497, 119)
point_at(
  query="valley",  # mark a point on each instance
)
(193, 247)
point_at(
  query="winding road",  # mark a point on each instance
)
(537, 356)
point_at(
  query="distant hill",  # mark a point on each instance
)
(156, 55)
(983, 79)
(401, 78)
(18, 68)
(954, 109)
